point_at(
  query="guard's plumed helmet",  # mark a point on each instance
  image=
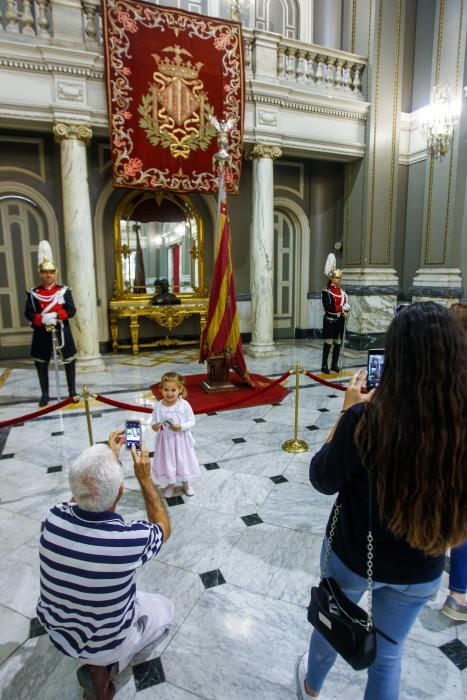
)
(45, 261)
(330, 269)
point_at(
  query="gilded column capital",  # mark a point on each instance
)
(69, 130)
(263, 150)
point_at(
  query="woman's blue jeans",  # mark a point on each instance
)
(458, 571)
(395, 609)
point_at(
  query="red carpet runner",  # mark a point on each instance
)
(205, 403)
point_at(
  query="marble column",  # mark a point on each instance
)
(327, 20)
(371, 184)
(439, 277)
(262, 251)
(73, 139)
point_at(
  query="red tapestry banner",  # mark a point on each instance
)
(168, 72)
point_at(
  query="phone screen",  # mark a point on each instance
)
(133, 434)
(374, 368)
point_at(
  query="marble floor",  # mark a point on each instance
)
(243, 553)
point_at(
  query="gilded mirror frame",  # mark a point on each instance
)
(124, 212)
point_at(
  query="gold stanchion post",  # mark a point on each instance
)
(295, 445)
(88, 414)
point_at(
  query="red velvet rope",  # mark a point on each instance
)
(223, 407)
(325, 382)
(36, 414)
(120, 404)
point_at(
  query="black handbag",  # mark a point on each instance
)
(345, 625)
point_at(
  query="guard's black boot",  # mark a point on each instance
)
(335, 358)
(70, 371)
(43, 374)
(324, 361)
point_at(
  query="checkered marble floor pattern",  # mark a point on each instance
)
(243, 554)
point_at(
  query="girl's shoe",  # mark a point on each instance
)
(188, 488)
(169, 492)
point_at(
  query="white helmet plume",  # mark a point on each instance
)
(330, 265)
(45, 259)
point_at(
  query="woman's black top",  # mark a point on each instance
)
(338, 468)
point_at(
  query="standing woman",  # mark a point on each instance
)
(410, 434)
(336, 308)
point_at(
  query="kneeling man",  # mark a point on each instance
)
(88, 601)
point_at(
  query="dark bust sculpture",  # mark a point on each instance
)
(162, 295)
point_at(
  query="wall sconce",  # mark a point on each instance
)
(237, 8)
(439, 121)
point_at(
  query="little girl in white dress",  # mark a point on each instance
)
(174, 453)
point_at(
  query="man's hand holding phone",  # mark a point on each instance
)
(154, 505)
(141, 464)
(116, 441)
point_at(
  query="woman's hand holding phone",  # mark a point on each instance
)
(356, 391)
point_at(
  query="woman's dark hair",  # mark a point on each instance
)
(413, 433)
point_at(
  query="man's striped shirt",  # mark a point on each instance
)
(88, 563)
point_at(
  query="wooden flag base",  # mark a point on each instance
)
(218, 376)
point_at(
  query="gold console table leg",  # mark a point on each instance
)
(134, 330)
(114, 332)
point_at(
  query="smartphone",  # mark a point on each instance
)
(168, 423)
(374, 367)
(133, 434)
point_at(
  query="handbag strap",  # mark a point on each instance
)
(369, 547)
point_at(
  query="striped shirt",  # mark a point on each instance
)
(88, 563)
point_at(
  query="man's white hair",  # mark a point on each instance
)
(95, 478)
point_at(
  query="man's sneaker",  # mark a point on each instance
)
(95, 681)
(455, 610)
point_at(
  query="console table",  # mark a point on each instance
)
(168, 317)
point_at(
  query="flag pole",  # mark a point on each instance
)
(218, 370)
(222, 157)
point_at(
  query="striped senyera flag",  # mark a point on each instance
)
(222, 332)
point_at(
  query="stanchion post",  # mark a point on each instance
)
(295, 445)
(88, 414)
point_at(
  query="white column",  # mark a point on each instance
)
(327, 23)
(79, 250)
(262, 252)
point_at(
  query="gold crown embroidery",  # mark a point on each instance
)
(175, 112)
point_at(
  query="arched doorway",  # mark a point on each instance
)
(291, 268)
(25, 219)
(284, 275)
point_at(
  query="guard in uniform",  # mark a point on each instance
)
(336, 308)
(48, 308)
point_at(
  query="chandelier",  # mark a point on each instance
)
(439, 121)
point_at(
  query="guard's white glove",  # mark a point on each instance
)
(346, 308)
(49, 319)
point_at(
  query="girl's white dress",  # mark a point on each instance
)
(174, 453)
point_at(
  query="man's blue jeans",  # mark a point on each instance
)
(458, 573)
(395, 608)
